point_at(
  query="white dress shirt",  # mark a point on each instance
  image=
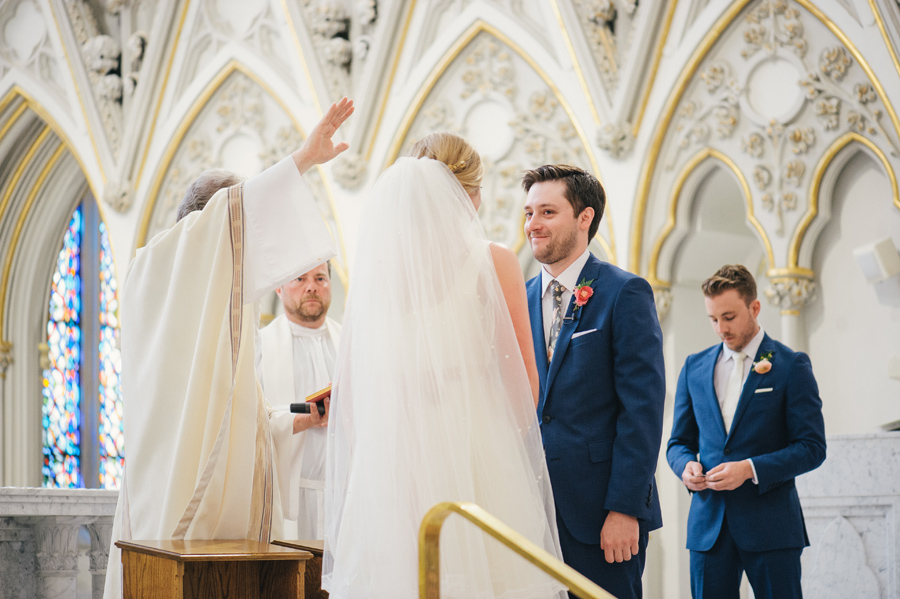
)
(724, 367)
(568, 279)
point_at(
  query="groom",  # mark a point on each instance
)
(599, 356)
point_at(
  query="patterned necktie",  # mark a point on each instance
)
(556, 323)
(733, 390)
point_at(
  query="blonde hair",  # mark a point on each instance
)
(456, 153)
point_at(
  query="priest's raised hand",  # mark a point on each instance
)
(319, 146)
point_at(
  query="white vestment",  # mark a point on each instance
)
(201, 451)
(294, 362)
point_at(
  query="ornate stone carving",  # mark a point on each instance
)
(241, 128)
(329, 23)
(25, 43)
(134, 54)
(489, 83)
(790, 293)
(617, 139)
(118, 196)
(773, 24)
(6, 358)
(350, 170)
(662, 296)
(56, 546)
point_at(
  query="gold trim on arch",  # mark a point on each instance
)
(41, 112)
(883, 29)
(14, 117)
(657, 59)
(20, 170)
(575, 62)
(685, 78)
(813, 209)
(390, 81)
(434, 76)
(162, 94)
(675, 198)
(295, 36)
(20, 224)
(184, 126)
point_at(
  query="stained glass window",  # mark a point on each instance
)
(110, 392)
(62, 380)
(83, 441)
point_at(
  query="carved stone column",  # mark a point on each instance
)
(792, 293)
(662, 295)
(101, 532)
(56, 541)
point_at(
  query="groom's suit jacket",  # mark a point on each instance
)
(601, 402)
(778, 424)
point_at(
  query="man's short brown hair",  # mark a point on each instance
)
(583, 190)
(731, 276)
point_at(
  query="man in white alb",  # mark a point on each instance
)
(296, 359)
(202, 458)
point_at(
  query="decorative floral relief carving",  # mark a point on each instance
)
(240, 108)
(608, 26)
(538, 130)
(773, 24)
(662, 297)
(617, 139)
(791, 293)
(350, 170)
(777, 156)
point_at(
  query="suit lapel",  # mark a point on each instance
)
(590, 271)
(709, 375)
(535, 311)
(750, 386)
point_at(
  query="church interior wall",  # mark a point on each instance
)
(684, 103)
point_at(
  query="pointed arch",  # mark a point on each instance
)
(448, 58)
(678, 212)
(680, 87)
(814, 220)
(200, 103)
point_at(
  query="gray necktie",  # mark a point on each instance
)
(556, 323)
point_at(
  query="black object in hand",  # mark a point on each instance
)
(304, 407)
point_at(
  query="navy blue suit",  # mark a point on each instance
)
(778, 424)
(601, 410)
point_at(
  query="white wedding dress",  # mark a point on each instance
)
(431, 403)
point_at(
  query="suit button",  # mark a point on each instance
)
(547, 419)
(727, 451)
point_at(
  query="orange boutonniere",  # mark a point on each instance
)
(582, 293)
(764, 364)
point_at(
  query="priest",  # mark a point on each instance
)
(202, 458)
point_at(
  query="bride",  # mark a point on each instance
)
(435, 393)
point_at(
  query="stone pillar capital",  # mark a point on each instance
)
(790, 293)
(662, 296)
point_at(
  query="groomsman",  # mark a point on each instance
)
(750, 408)
(599, 356)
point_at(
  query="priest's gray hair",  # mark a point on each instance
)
(204, 188)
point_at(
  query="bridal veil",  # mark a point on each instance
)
(431, 403)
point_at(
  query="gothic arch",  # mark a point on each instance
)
(496, 61)
(682, 118)
(175, 170)
(818, 211)
(681, 201)
(43, 182)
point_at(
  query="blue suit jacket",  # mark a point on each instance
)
(602, 400)
(778, 423)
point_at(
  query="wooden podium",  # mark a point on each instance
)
(313, 566)
(211, 569)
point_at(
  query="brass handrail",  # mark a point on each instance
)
(430, 547)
